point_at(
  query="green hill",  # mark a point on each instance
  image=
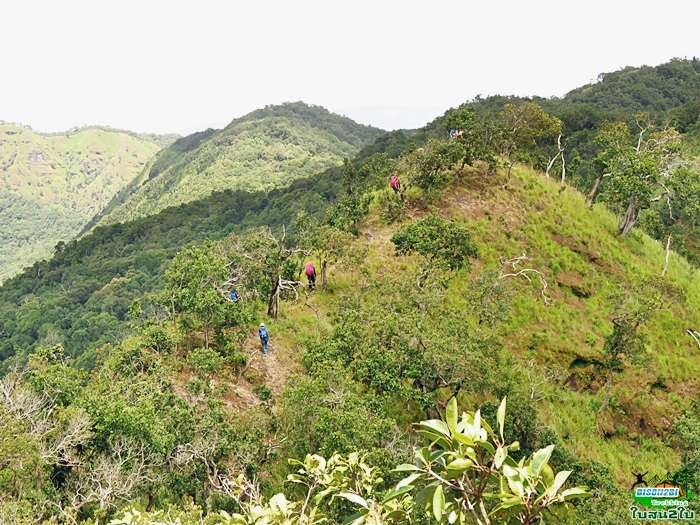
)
(657, 89)
(269, 148)
(52, 185)
(378, 349)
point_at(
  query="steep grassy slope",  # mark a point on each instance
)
(269, 148)
(52, 185)
(556, 350)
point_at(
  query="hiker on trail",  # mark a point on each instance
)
(395, 185)
(233, 296)
(264, 337)
(311, 275)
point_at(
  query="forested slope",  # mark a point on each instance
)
(267, 149)
(52, 185)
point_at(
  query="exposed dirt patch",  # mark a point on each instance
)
(574, 281)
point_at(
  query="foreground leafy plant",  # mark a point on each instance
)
(467, 475)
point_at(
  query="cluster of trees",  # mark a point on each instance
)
(81, 296)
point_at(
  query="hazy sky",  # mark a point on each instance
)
(173, 66)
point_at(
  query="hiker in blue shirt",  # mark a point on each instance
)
(264, 337)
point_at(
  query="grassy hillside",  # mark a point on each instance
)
(269, 148)
(52, 185)
(353, 366)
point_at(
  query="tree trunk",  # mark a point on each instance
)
(630, 218)
(591, 195)
(608, 390)
(324, 264)
(273, 295)
(563, 168)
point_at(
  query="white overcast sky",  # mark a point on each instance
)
(174, 66)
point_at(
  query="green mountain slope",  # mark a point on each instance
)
(269, 148)
(52, 185)
(646, 88)
(380, 347)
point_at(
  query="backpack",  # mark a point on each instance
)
(262, 331)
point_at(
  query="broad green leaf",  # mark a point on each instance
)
(452, 414)
(459, 464)
(397, 492)
(501, 497)
(438, 503)
(452, 517)
(559, 480)
(488, 446)
(278, 503)
(354, 498)
(437, 454)
(405, 468)
(575, 492)
(540, 459)
(427, 492)
(547, 475)
(408, 480)
(501, 416)
(464, 439)
(514, 480)
(423, 455)
(499, 457)
(437, 426)
(355, 519)
(510, 502)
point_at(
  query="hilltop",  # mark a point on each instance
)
(266, 149)
(52, 185)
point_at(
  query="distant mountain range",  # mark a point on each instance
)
(268, 148)
(52, 185)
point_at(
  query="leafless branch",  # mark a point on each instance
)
(540, 377)
(695, 335)
(524, 273)
(306, 303)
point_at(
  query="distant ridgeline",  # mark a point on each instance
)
(268, 148)
(51, 185)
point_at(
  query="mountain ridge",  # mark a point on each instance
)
(72, 174)
(266, 149)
